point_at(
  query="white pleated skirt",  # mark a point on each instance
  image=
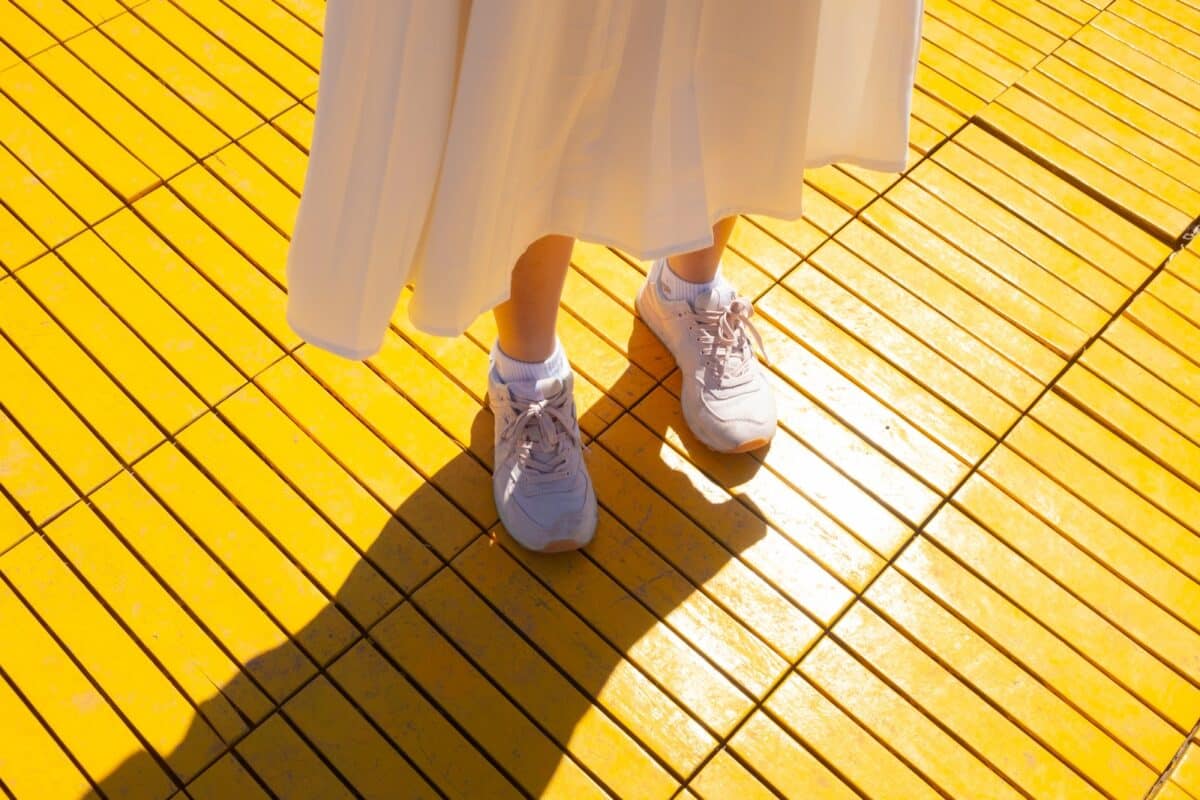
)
(451, 134)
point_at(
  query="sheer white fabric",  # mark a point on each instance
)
(451, 134)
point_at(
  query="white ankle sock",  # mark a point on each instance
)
(679, 289)
(511, 369)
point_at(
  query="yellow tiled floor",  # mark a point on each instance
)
(235, 566)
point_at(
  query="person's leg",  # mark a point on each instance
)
(525, 323)
(700, 266)
(539, 481)
(727, 400)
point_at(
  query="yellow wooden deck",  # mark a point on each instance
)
(233, 566)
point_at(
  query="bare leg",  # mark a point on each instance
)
(525, 322)
(700, 266)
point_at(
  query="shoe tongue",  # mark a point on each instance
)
(713, 299)
(536, 390)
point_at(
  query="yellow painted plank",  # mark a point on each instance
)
(207, 591)
(1157, 356)
(669, 642)
(18, 244)
(578, 722)
(1105, 224)
(225, 779)
(1132, 84)
(253, 291)
(705, 562)
(58, 169)
(409, 432)
(613, 321)
(1066, 732)
(942, 57)
(36, 485)
(1171, 791)
(232, 69)
(152, 703)
(802, 497)
(1101, 166)
(292, 525)
(1040, 653)
(81, 380)
(33, 203)
(1132, 422)
(853, 752)
(1088, 278)
(1126, 126)
(299, 34)
(311, 12)
(296, 124)
(143, 375)
(1149, 45)
(1005, 34)
(31, 763)
(301, 609)
(1165, 323)
(1022, 351)
(121, 119)
(1126, 607)
(145, 89)
(257, 187)
(55, 16)
(956, 97)
(181, 75)
(1068, 617)
(97, 11)
(98, 150)
(1044, 324)
(1067, 229)
(1064, 285)
(71, 706)
(996, 65)
(234, 219)
(1138, 129)
(340, 733)
(161, 327)
(851, 404)
(417, 727)
(287, 765)
(386, 541)
(1143, 387)
(1040, 24)
(263, 52)
(940, 421)
(380, 469)
(936, 373)
(279, 155)
(1187, 771)
(924, 318)
(536, 762)
(201, 303)
(724, 776)
(1009, 749)
(784, 763)
(1174, 496)
(22, 33)
(894, 721)
(13, 526)
(1178, 295)
(212, 681)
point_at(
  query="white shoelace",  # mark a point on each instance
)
(548, 430)
(726, 330)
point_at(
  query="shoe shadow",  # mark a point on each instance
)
(614, 670)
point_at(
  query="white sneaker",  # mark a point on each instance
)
(727, 401)
(540, 482)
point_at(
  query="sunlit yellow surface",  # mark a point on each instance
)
(235, 566)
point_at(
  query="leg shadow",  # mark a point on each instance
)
(618, 668)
